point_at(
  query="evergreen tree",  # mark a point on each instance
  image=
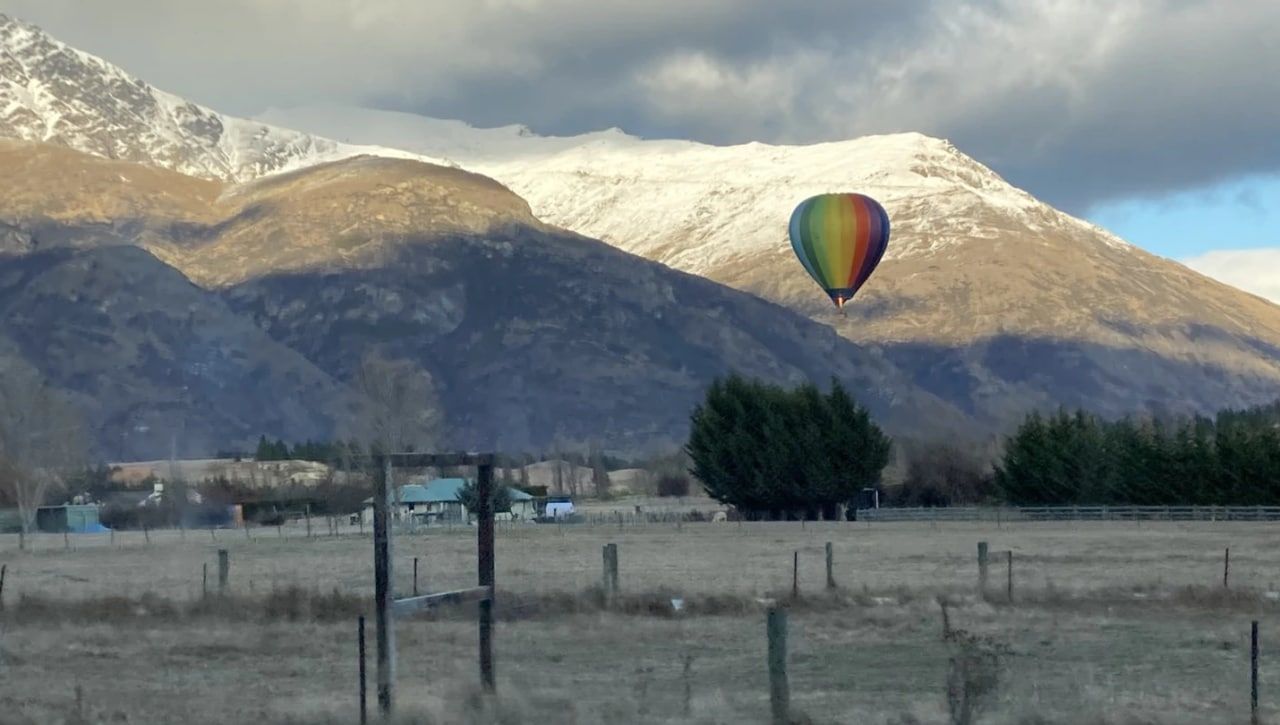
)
(499, 497)
(263, 452)
(772, 452)
(1231, 459)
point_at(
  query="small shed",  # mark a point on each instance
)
(10, 521)
(75, 518)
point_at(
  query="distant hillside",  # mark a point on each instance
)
(533, 335)
(152, 360)
(988, 297)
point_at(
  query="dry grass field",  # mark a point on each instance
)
(1110, 623)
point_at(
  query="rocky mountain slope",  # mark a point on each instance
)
(150, 359)
(992, 298)
(54, 93)
(533, 335)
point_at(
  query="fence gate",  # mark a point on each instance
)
(387, 607)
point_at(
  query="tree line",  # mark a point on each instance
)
(775, 452)
(1232, 458)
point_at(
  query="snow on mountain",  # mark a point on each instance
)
(54, 93)
(694, 206)
(991, 297)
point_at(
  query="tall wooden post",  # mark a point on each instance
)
(831, 577)
(364, 707)
(485, 564)
(224, 570)
(779, 688)
(383, 597)
(1253, 672)
(982, 569)
(1226, 566)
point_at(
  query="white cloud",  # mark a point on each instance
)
(1078, 100)
(1252, 270)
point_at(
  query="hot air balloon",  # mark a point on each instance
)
(839, 239)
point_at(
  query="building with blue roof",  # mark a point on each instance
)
(436, 501)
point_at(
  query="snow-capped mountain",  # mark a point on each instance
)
(988, 293)
(54, 93)
(692, 205)
(990, 298)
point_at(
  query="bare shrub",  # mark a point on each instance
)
(973, 675)
(42, 441)
(673, 485)
(941, 474)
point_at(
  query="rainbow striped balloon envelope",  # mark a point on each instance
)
(839, 239)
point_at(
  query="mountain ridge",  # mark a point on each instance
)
(52, 92)
(972, 260)
(535, 336)
(978, 272)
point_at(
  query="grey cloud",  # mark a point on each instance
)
(1077, 101)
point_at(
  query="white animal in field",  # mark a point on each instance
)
(719, 516)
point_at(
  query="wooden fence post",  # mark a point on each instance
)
(485, 565)
(831, 577)
(982, 569)
(415, 576)
(224, 570)
(795, 575)
(364, 706)
(1226, 567)
(779, 689)
(204, 580)
(1253, 672)
(1010, 553)
(383, 597)
(4, 569)
(610, 573)
(306, 511)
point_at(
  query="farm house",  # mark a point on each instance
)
(436, 501)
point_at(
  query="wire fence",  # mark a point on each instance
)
(1073, 513)
(884, 654)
